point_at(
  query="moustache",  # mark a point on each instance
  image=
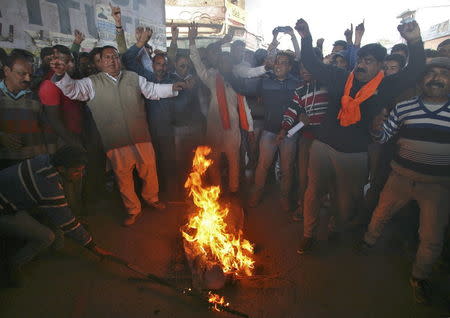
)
(26, 83)
(360, 70)
(435, 83)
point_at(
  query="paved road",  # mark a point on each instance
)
(331, 282)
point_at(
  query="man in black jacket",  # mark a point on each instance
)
(339, 154)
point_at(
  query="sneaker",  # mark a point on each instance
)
(305, 245)
(130, 219)
(157, 205)
(421, 289)
(362, 248)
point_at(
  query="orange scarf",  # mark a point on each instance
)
(350, 112)
(223, 106)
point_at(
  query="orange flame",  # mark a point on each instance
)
(216, 300)
(207, 228)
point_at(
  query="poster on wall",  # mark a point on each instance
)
(40, 23)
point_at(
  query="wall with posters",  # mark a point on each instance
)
(32, 24)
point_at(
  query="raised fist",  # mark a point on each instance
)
(410, 31)
(302, 28)
(116, 14)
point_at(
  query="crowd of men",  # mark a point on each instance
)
(375, 135)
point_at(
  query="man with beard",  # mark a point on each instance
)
(23, 130)
(339, 154)
(420, 169)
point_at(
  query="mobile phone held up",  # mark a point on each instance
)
(283, 29)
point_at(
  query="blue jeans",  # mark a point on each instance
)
(23, 226)
(267, 150)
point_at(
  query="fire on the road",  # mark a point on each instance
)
(216, 301)
(207, 230)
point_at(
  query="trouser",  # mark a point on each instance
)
(380, 157)
(433, 200)
(23, 226)
(166, 163)
(95, 179)
(304, 147)
(231, 153)
(145, 165)
(267, 149)
(331, 171)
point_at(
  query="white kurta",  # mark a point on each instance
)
(222, 140)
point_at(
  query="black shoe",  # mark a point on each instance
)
(305, 245)
(362, 248)
(422, 290)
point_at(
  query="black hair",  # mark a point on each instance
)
(83, 54)
(238, 43)
(400, 59)
(180, 56)
(378, 51)
(431, 53)
(62, 49)
(18, 54)
(400, 47)
(69, 157)
(107, 47)
(93, 53)
(46, 51)
(341, 43)
(288, 54)
(163, 55)
(445, 42)
(259, 57)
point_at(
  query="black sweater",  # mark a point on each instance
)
(355, 138)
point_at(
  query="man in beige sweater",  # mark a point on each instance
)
(115, 98)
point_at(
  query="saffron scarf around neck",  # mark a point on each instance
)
(223, 106)
(350, 112)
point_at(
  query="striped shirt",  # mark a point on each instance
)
(36, 183)
(424, 136)
(311, 99)
(21, 115)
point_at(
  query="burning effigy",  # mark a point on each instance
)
(215, 248)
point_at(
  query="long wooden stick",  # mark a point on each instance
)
(161, 281)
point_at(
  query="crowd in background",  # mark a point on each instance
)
(375, 133)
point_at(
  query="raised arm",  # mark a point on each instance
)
(200, 68)
(130, 57)
(81, 89)
(408, 76)
(173, 48)
(291, 33)
(325, 74)
(120, 34)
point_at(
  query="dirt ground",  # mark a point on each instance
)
(330, 282)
